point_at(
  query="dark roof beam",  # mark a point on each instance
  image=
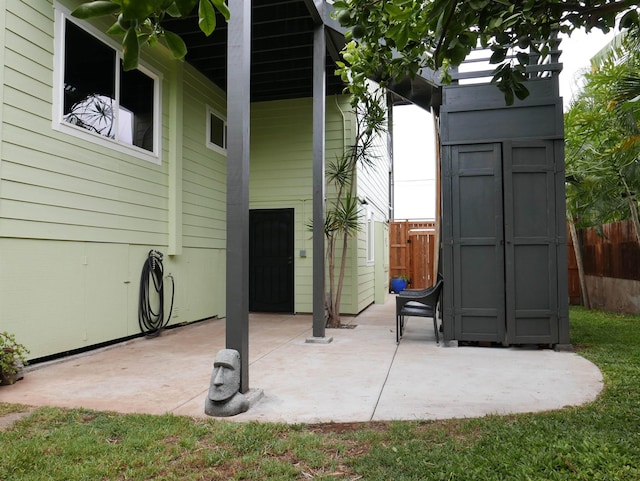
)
(281, 65)
(282, 41)
(277, 53)
(260, 54)
(292, 74)
(302, 21)
(316, 9)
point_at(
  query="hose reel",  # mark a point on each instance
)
(152, 320)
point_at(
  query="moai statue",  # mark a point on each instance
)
(224, 397)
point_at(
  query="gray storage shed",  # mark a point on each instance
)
(504, 257)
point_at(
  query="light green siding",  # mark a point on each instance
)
(363, 284)
(281, 177)
(60, 296)
(341, 135)
(56, 186)
(382, 263)
(204, 170)
(77, 219)
(373, 185)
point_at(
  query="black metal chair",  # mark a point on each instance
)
(419, 303)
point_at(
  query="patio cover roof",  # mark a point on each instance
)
(281, 52)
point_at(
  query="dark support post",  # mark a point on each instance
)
(564, 338)
(238, 88)
(319, 56)
(390, 138)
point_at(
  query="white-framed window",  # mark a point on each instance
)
(371, 235)
(216, 131)
(95, 99)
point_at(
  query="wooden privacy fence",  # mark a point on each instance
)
(412, 251)
(612, 252)
(615, 253)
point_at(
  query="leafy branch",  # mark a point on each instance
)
(394, 39)
(139, 22)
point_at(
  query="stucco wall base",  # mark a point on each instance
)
(616, 295)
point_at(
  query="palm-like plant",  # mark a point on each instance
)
(615, 81)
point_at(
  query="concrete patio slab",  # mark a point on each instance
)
(362, 375)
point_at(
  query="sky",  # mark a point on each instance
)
(414, 166)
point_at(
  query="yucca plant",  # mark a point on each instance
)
(343, 208)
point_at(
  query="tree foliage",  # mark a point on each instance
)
(394, 39)
(602, 143)
(602, 138)
(139, 22)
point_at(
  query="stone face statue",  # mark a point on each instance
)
(224, 397)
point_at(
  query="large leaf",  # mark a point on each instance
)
(523, 58)
(629, 19)
(206, 17)
(139, 9)
(521, 91)
(186, 6)
(508, 95)
(398, 13)
(130, 50)
(478, 4)
(95, 9)
(402, 38)
(222, 8)
(174, 11)
(175, 44)
(116, 29)
(498, 56)
(457, 53)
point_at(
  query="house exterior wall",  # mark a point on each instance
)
(281, 177)
(77, 219)
(341, 134)
(373, 186)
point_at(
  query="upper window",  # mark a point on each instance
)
(216, 131)
(98, 97)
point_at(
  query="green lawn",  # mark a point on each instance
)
(599, 441)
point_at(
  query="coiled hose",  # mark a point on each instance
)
(152, 321)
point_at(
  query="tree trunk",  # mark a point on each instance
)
(343, 261)
(577, 249)
(329, 299)
(633, 208)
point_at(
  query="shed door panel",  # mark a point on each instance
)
(530, 251)
(478, 255)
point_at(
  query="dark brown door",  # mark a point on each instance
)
(271, 260)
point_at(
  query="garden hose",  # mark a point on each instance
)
(152, 321)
